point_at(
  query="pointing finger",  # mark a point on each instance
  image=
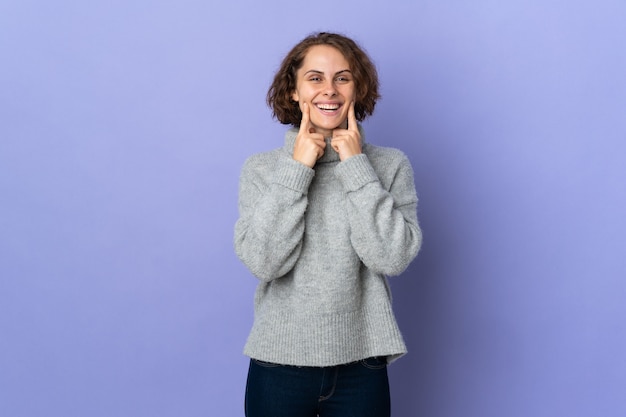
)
(352, 123)
(304, 123)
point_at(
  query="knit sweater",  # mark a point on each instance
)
(322, 241)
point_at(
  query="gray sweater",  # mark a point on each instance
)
(322, 241)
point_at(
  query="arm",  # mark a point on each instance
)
(269, 231)
(383, 219)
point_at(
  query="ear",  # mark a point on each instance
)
(294, 96)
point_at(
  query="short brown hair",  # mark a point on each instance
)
(279, 96)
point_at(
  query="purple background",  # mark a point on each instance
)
(124, 125)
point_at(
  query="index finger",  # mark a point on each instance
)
(304, 123)
(352, 123)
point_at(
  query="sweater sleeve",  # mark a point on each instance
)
(272, 202)
(383, 219)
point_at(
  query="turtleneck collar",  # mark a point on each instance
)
(330, 155)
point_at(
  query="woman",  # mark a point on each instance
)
(323, 220)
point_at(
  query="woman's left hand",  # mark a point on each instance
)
(347, 142)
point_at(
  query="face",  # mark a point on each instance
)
(325, 82)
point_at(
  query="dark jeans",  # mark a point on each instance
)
(359, 389)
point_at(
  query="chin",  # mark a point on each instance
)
(331, 124)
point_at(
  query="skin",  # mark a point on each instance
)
(325, 80)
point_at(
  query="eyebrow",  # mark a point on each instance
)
(322, 72)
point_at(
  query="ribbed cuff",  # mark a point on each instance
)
(294, 175)
(355, 172)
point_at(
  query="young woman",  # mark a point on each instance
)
(323, 221)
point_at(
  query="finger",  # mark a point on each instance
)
(320, 151)
(304, 123)
(352, 123)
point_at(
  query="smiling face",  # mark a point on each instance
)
(325, 82)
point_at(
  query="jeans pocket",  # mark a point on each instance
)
(376, 362)
(265, 364)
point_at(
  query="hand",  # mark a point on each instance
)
(347, 142)
(309, 146)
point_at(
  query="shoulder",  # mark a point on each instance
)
(262, 161)
(390, 164)
(384, 156)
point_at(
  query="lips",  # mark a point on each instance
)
(330, 107)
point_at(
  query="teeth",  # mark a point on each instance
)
(328, 106)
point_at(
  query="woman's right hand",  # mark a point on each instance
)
(309, 146)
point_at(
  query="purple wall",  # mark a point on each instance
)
(123, 129)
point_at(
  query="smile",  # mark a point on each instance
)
(328, 107)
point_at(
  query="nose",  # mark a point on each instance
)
(329, 89)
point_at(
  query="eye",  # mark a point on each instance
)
(343, 79)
